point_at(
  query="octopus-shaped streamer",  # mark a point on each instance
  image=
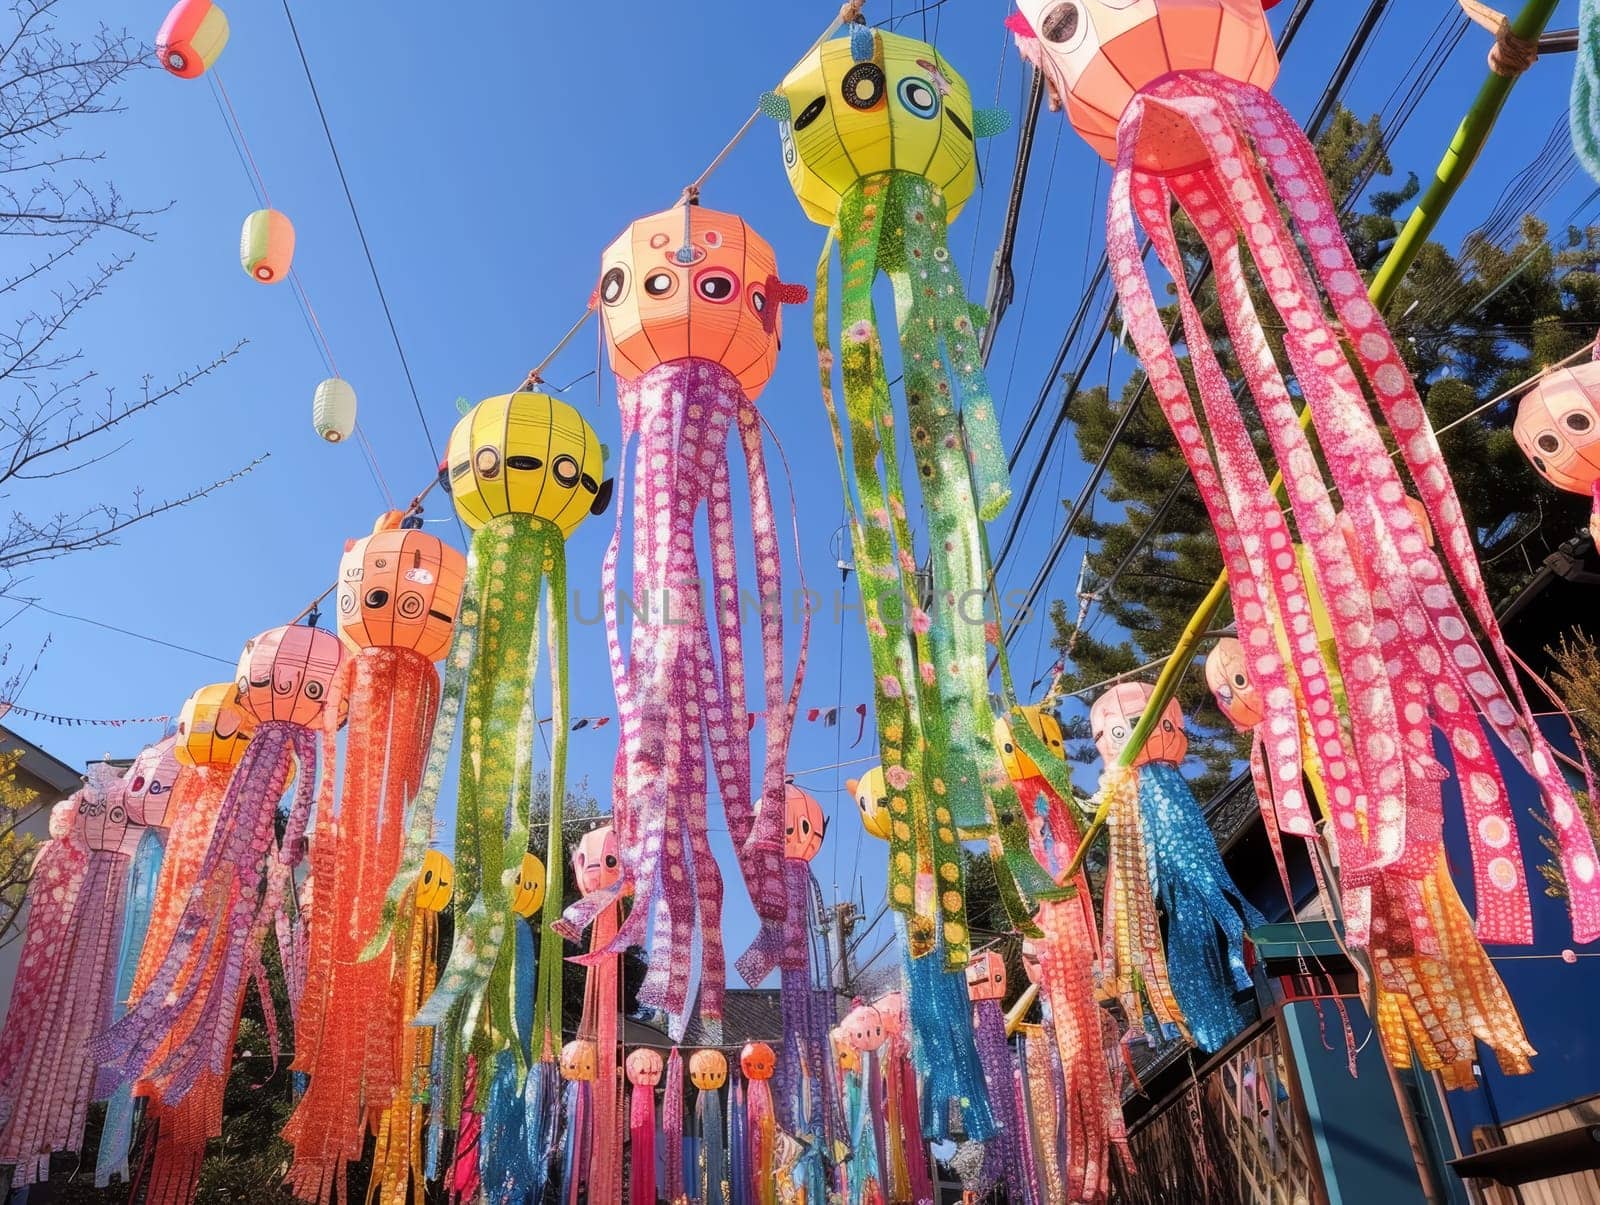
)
(907, 1171)
(398, 1167)
(644, 1068)
(524, 470)
(708, 1072)
(858, 1037)
(1162, 847)
(757, 1062)
(398, 590)
(213, 730)
(60, 1078)
(1173, 92)
(30, 1043)
(597, 867)
(181, 1028)
(148, 789)
(878, 135)
(690, 301)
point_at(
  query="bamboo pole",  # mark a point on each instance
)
(1458, 160)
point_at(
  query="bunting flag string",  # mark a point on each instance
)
(67, 721)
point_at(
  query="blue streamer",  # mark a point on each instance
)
(1200, 897)
(713, 1164)
(1584, 112)
(541, 1124)
(117, 1136)
(503, 1163)
(942, 1044)
(738, 1154)
(863, 1169)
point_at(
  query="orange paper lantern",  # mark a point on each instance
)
(757, 1061)
(692, 282)
(400, 589)
(191, 38)
(1228, 676)
(285, 673)
(708, 1070)
(1558, 428)
(1115, 715)
(986, 977)
(803, 825)
(578, 1061)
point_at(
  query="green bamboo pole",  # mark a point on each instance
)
(1458, 160)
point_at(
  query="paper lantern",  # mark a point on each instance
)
(804, 825)
(529, 892)
(644, 1067)
(757, 1061)
(1115, 715)
(594, 861)
(333, 410)
(1558, 429)
(266, 246)
(708, 1070)
(191, 38)
(104, 825)
(285, 673)
(693, 283)
(876, 102)
(149, 782)
(891, 1008)
(986, 976)
(526, 454)
(1097, 54)
(577, 1061)
(872, 799)
(863, 1028)
(846, 1055)
(400, 588)
(213, 727)
(1228, 676)
(437, 882)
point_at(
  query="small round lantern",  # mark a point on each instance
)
(213, 727)
(1115, 715)
(803, 824)
(1558, 429)
(872, 797)
(191, 38)
(436, 883)
(286, 673)
(147, 786)
(1097, 54)
(578, 1061)
(596, 864)
(104, 825)
(400, 588)
(986, 977)
(644, 1067)
(266, 246)
(333, 410)
(526, 454)
(529, 891)
(1229, 679)
(708, 1070)
(847, 1056)
(863, 1028)
(757, 1061)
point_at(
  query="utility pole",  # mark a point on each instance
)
(836, 924)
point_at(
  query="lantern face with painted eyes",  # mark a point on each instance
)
(596, 863)
(849, 1058)
(863, 1028)
(708, 1070)
(526, 454)
(147, 786)
(1558, 428)
(757, 1061)
(400, 589)
(213, 727)
(1017, 763)
(578, 1061)
(1228, 676)
(529, 891)
(104, 825)
(1115, 715)
(644, 1068)
(191, 38)
(903, 108)
(872, 798)
(708, 292)
(803, 824)
(436, 883)
(986, 977)
(891, 1008)
(1097, 54)
(286, 673)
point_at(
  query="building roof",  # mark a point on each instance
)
(52, 771)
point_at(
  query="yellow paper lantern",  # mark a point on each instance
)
(333, 410)
(529, 893)
(213, 727)
(872, 797)
(266, 245)
(708, 1069)
(436, 883)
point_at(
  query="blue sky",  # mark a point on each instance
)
(492, 155)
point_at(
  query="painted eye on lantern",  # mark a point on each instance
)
(1548, 442)
(138, 783)
(286, 687)
(611, 861)
(1062, 24)
(565, 470)
(377, 597)
(918, 96)
(1118, 732)
(1538, 463)
(427, 877)
(863, 86)
(716, 285)
(1579, 422)
(1240, 680)
(487, 463)
(614, 285)
(410, 605)
(529, 464)
(758, 299)
(661, 283)
(810, 113)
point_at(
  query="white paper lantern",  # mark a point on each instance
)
(333, 410)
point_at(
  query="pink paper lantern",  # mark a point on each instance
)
(1115, 715)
